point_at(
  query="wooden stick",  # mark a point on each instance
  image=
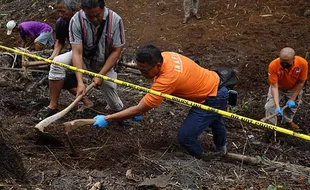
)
(96, 186)
(134, 71)
(44, 123)
(259, 160)
(34, 63)
(21, 69)
(55, 158)
(273, 115)
(243, 158)
(37, 83)
(131, 64)
(72, 125)
(73, 151)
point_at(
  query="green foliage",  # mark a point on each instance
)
(275, 187)
(238, 108)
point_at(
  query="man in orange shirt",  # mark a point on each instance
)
(287, 76)
(180, 76)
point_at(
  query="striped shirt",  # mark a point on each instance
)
(115, 30)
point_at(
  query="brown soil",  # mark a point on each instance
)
(245, 35)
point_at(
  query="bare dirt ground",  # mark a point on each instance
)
(245, 35)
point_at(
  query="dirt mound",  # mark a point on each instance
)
(11, 164)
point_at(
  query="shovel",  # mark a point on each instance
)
(44, 123)
(34, 63)
(72, 125)
(271, 116)
(48, 138)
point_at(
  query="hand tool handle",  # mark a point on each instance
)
(44, 123)
(34, 63)
(273, 115)
(77, 99)
(71, 125)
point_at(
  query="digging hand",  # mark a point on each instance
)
(97, 81)
(100, 122)
(290, 104)
(279, 111)
(80, 89)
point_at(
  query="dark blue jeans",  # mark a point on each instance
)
(198, 120)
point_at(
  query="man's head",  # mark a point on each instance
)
(10, 27)
(149, 60)
(287, 56)
(94, 10)
(66, 8)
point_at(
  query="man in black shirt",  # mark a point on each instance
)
(66, 9)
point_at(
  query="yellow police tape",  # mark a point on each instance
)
(167, 96)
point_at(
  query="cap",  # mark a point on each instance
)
(10, 26)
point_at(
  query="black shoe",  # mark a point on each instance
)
(45, 113)
(222, 149)
(220, 152)
(125, 123)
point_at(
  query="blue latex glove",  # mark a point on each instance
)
(279, 111)
(100, 122)
(137, 118)
(290, 104)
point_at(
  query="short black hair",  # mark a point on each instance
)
(68, 4)
(89, 4)
(149, 54)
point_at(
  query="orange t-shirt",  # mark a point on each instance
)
(182, 77)
(285, 78)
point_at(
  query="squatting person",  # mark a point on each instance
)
(66, 9)
(180, 76)
(32, 33)
(96, 34)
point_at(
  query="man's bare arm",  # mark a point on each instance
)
(275, 94)
(298, 87)
(111, 60)
(129, 112)
(29, 41)
(77, 60)
(57, 49)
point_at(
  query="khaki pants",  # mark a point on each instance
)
(288, 113)
(109, 89)
(187, 7)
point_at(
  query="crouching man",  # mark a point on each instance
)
(180, 76)
(96, 34)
